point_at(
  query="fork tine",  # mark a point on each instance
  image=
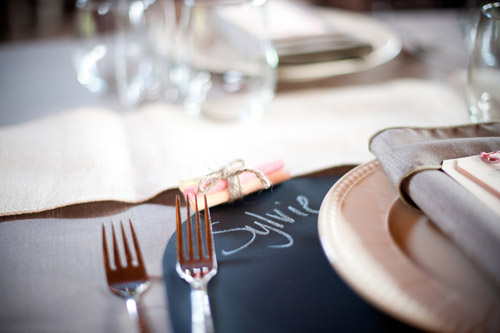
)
(128, 256)
(198, 229)
(180, 241)
(208, 229)
(138, 253)
(199, 270)
(105, 249)
(189, 232)
(115, 249)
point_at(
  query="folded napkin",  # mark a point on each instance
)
(412, 157)
(327, 47)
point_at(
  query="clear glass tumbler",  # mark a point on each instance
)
(227, 62)
(483, 77)
(125, 47)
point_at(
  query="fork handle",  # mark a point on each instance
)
(201, 317)
(136, 313)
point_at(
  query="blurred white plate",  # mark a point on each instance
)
(395, 258)
(386, 45)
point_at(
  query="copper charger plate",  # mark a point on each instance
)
(396, 259)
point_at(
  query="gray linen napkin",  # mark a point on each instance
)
(411, 157)
(321, 48)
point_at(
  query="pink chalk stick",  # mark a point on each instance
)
(266, 169)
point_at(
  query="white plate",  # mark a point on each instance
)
(395, 258)
(386, 45)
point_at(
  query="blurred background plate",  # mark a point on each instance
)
(395, 258)
(385, 43)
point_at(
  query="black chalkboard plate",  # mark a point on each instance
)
(273, 275)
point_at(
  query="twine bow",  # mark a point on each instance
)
(230, 172)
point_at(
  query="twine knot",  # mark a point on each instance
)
(230, 172)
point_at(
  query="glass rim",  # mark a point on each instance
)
(486, 10)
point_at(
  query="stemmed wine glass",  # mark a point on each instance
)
(483, 78)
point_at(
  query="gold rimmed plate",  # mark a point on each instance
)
(396, 259)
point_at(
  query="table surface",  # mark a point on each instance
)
(45, 68)
(55, 287)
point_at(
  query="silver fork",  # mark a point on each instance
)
(126, 280)
(197, 269)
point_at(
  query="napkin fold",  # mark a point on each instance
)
(411, 157)
(327, 47)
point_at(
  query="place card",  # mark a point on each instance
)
(480, 175)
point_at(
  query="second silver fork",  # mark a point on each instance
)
(126, 280)
(198, 266)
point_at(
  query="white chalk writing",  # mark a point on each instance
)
(271, 222)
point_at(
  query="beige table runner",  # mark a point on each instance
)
(93, 154)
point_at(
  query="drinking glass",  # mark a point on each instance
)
(227, 61)
(483, 77)
(125, 48)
